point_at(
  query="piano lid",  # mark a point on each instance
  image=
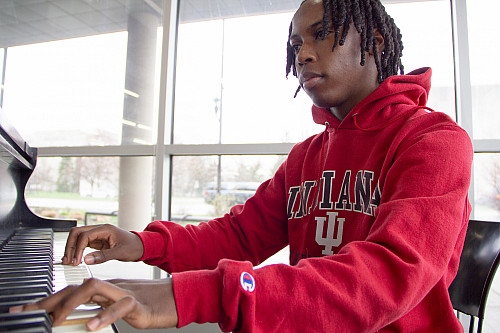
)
(13, 147)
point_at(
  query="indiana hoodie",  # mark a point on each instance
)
(374, 210)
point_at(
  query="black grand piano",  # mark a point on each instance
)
(26, 240)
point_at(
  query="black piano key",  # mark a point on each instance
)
(25, 252)
(22, 269)
(18, 273)
(17, 322)
(26, 283)
(28, 268)
(47, 264)
(27, 248)
(35, 288)
(29, 330)
(6, 305)
(31, 262)
(22, 297)
(23, 245)
(43, 275)
(31, 239)
(13, 258)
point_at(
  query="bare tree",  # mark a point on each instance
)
(98, 171)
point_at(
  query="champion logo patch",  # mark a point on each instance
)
(247, 282)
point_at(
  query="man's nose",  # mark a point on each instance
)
(306, 54)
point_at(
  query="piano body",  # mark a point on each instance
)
(27, 242)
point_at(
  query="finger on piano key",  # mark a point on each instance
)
(77, 320)
(69, 275)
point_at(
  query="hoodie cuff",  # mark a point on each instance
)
(198, 297)
(154, 245)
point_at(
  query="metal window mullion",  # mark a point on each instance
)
(163, 164)
(162, 161)
(168, 150)
(97, 151)
(463, 90)
(229, 149)
(487, 146)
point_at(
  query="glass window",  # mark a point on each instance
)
(485, 76)
(487, 186)
(428, 45)
(239, 80)
(204, 187)
(230, 79)
(66, 187)
(83, 73)
(92, 190)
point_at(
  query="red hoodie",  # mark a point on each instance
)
(374, 209)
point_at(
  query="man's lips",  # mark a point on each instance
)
(309, 79)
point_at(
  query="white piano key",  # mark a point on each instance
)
(65, 275)
(79, 328)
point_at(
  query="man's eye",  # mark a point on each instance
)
(296, 48)
(321, 34)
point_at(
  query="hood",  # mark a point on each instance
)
(394, 97)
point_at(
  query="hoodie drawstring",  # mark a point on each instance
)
(321, 164)
(320, 171)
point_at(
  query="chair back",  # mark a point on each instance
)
(479, 260)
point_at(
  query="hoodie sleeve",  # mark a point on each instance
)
(251, 232)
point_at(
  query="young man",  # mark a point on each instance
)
(374, 209)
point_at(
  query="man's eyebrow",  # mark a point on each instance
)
(311, 27)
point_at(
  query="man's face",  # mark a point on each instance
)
(333, 80)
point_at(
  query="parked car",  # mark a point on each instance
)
(232, 193)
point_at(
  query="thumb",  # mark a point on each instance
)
(98, 257)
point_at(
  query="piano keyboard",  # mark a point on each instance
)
(28, 272)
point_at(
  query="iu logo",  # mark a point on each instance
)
(247, 282)
(328, 242)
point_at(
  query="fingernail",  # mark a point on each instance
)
(15, 309)
(89, 260)
(93, 323)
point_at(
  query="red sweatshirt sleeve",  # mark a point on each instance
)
(251, 232)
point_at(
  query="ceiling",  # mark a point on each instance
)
(35, 21)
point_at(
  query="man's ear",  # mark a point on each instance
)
(380, 41)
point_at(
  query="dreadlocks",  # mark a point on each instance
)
(366, 15)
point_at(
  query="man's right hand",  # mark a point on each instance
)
(112, 243)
